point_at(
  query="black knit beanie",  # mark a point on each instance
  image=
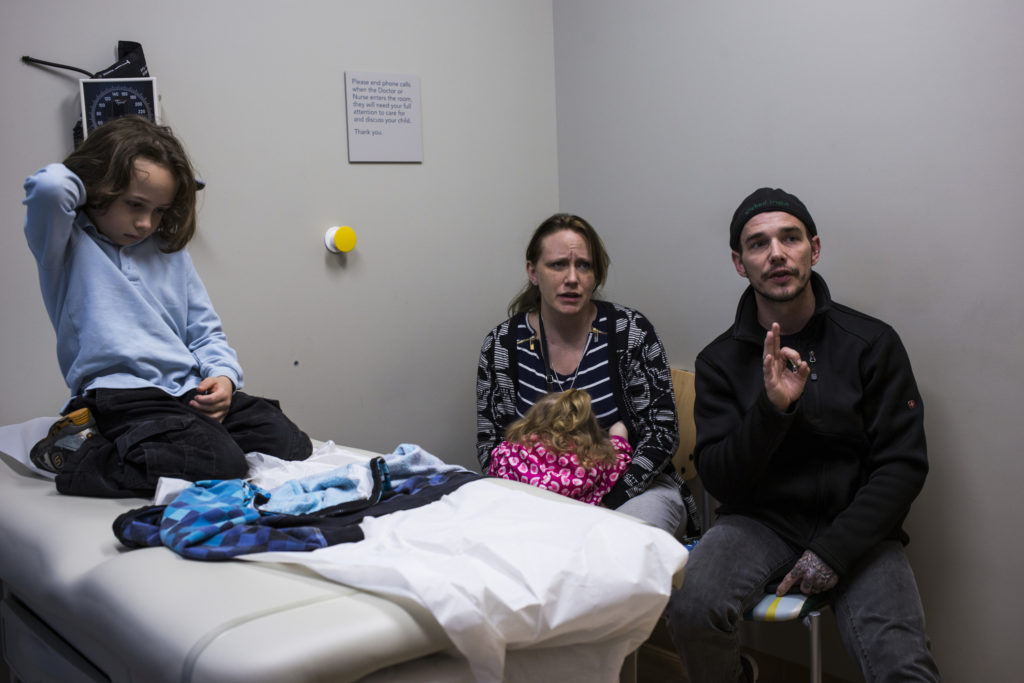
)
(764, 200)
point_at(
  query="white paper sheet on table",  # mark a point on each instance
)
(17, 440)
(500, 569)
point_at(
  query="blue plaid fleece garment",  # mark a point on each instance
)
(219, 520)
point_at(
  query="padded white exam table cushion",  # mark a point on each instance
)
(150, 615)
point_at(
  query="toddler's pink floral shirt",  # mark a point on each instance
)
(559, 472)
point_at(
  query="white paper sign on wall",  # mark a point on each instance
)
(384, 123)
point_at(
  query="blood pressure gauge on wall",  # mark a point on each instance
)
(105, 99)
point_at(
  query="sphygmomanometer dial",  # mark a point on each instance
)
(104, 100)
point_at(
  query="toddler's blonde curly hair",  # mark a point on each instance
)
(564, 422)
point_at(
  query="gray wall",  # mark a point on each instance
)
(371, 350)
(902, 127)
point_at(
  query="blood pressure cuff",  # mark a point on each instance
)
(131, 63)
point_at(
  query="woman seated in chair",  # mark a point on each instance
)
(559, 337)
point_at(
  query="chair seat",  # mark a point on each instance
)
(786, 608)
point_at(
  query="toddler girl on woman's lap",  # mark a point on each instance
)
(559, 446)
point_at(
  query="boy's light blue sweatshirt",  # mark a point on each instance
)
(125, 317)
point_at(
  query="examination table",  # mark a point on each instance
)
(79, 606)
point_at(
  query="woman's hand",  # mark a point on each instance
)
(213, 397)
(619, 429)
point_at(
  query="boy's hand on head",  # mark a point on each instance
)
(213, 397)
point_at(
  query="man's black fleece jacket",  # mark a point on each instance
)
(837, 472)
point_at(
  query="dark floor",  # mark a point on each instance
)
(658, 663)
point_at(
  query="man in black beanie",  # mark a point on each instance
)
(810, 433)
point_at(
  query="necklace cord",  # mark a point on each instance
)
(549, 371)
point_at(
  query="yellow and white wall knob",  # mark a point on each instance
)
(340, 238)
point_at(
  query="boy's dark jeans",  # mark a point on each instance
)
(145, 434)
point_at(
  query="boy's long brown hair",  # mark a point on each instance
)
(564, 422)
(105, 162)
